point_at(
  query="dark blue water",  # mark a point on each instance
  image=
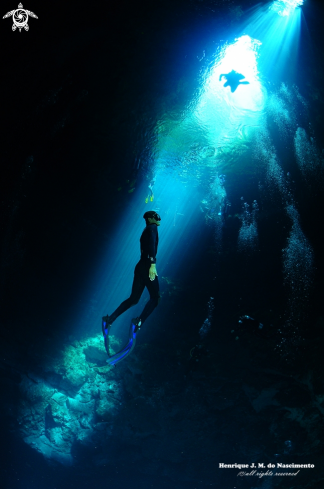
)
(109, 111)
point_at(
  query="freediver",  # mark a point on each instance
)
(145, 275)
(233, 80)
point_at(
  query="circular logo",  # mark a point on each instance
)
(20, 18)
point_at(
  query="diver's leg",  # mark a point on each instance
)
(154, 291)
(137, 291)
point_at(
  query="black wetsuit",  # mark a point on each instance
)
(149, 244)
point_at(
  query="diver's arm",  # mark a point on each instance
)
(152, 249)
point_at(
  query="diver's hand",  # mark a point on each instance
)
(152, 272)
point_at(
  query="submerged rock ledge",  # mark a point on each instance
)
(72, 404)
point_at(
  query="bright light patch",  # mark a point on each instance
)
(286, 7)
(226, 113)
(280, 36)
(241, 56)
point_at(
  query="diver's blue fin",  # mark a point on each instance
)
(126, 350)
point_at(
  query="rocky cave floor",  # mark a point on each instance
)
(170, 413)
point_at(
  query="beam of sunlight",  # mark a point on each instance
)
(280, 36)
(190, 156)
(286, 7)
(185, 174)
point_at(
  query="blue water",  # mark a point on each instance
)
(127, 112)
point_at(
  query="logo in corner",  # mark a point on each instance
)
(20, 18)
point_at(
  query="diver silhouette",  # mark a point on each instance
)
(233, 80)
(145, 275)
